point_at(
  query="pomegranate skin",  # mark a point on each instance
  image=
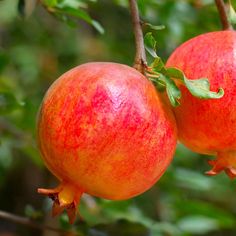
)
(103, 130)
(208, 126)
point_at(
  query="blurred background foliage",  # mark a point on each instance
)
(40, 42)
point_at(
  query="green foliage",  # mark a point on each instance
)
(36, 50)
(66, 10)
(163, 76)
(232, 14)
(151, 45)
(199, 88)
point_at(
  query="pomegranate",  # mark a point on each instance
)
(209, 126)
(102, 130)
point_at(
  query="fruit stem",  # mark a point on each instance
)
(223, 15)
(140, 62)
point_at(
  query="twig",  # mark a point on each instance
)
(223, 15)
(27, 222)
(140, 56)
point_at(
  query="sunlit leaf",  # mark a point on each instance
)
(199, 88)
(172, 90)
(158, 65)
(192, 180)
(98, 26)
(81, 14)
(155, 27)
(75, 12)
(142, 6)
(232, 14)
(175, 73)
(198, 224)
(150, 44)
(50, 3)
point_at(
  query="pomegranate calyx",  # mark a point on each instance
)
(64, 197)
(225, 161)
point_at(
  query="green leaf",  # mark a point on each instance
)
(232, 14)
(174, 73)
(198, 224)
(155, 27)
(158, 65)
(75, 12)
(98, 26)
(165, 228)
(50, 3)
(199, 88)
(224, 218)
(142, 6)
(162, 78)
(172, 90)
(81, 14)
(150, 44)
(193, 181)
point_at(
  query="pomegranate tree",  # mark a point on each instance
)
(103, 130)
(209, 126)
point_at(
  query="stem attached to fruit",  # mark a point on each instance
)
(223, 15)
(140, 57)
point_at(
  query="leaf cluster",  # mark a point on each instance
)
(167, 77)
(67, 11)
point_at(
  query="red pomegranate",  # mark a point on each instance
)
(102, 130)
(209, 126)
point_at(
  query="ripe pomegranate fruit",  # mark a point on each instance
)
(209, 126)
(102, 130)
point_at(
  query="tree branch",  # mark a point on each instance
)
(27, 222)
(223, 15)
(140, 56)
